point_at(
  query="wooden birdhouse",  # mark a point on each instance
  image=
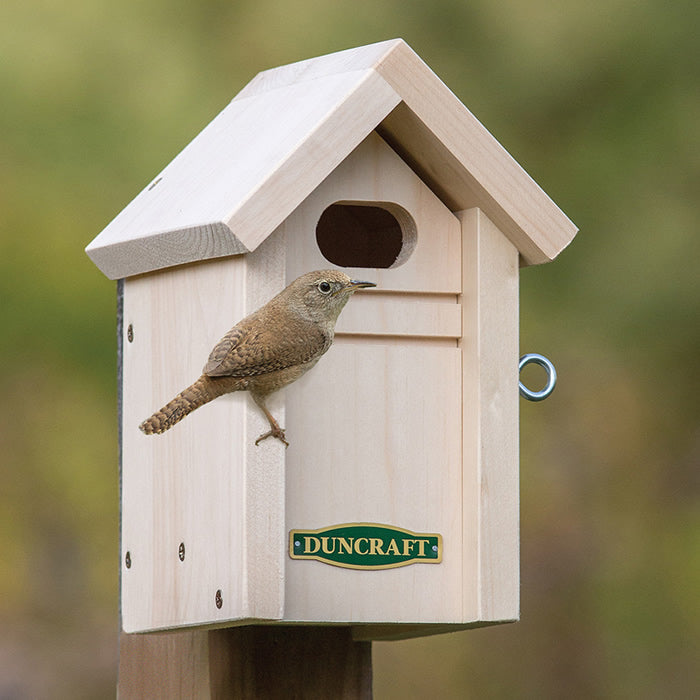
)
(395, 508)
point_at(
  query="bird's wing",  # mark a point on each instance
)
(252, 349)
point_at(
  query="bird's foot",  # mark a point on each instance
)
(275, 432)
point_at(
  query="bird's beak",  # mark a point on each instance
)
(357, 284)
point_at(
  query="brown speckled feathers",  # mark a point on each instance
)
(258, 345)
(267, 350)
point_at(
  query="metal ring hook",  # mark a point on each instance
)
(542, 361)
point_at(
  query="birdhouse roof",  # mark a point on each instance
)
(276, 141)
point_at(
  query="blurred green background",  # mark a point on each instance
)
(598, 100)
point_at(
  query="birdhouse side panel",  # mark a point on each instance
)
(186, 494)
(491, 430)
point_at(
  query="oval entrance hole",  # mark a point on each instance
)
(359, 235)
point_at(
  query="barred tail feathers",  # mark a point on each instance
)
(205, 389)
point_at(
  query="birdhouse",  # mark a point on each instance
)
(395, 507)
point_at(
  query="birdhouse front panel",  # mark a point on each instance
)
(381, 415)
(339, 224)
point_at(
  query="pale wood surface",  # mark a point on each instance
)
(375, 429)
(245, 664)
(202, 483)
(375, 314)
(489, 486)
(446, 144)
(384, 427)
(490, 421)
(243, 174)
(374, 174)
(463, 163)
(289, 128)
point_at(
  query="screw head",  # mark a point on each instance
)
(218, 599)
(130, 333)
(181, 551)
(127, 560)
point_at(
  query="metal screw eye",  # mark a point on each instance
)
(181, 551)
(218, 599)
(542, 361)
(130, 333)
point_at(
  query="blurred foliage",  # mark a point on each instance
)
(598, 100)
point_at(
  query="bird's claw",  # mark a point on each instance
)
(276, 433)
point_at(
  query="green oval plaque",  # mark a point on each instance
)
(366, 546)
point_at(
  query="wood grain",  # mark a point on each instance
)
(202, 484)
(373, 174)
(289, 662)
(249, 169)
(490, 421)
(250, 663)
(243, 174)
(383, 407)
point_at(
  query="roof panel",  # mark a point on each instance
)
(289, 128)
(244, 173)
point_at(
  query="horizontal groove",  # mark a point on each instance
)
(408, 295)
(367, 338)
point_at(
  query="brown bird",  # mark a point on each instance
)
(267, 350)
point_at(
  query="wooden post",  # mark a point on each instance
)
(245, 662)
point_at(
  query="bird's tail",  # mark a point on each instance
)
(205, 389)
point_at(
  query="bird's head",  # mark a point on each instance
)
(324, 293)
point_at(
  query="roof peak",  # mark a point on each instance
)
(276, 141)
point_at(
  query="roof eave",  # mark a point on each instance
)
(247, 171)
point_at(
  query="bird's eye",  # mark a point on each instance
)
(324, 287)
